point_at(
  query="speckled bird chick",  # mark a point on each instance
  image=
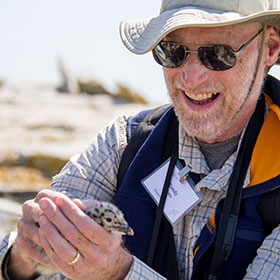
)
(110, 217)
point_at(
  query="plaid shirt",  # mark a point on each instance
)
(92, 174)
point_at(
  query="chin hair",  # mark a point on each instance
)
(204, 132)
(202, 129)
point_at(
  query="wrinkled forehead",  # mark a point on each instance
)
(198, 35)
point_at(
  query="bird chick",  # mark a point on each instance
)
(106, 215)
(110, 218)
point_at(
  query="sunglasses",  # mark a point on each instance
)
(213, 57)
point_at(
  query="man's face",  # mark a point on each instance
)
(209, 103)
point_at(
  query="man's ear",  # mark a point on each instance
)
(273, 45)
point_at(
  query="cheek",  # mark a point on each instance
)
(170, 75)
(236, 78)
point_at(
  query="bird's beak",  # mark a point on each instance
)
(124, 230)
(129, 231)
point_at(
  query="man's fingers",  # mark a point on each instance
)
(53, 195)
(75, 270)
(78, 229)
(29, 250)
(31, 211)
(64, 236)
(57, 242)
(29, 230)
(30, 208)
(87, 226)
(62, 244)
(68, 233)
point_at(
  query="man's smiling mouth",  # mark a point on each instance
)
(201, 98)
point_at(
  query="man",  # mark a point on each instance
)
(215, 57)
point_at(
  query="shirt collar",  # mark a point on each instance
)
(190, 153)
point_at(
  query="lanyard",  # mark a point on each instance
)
(167, 245)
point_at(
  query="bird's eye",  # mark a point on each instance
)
(109, 220)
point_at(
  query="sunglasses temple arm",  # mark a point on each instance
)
(243, 47)
(192, 51)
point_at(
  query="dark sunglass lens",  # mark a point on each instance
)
(217, 58)
(169, 55)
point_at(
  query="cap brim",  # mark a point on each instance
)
(141, 36)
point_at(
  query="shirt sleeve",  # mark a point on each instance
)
(266, 264)
(93, 173)
(5, 245)
(140, 271)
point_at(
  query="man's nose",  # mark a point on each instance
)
(193, 72)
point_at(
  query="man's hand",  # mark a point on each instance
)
(26, 253)
(65, 230)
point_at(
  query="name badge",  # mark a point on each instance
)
(182, 195)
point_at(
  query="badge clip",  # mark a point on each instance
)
(184, 172)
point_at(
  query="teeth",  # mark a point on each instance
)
(200, 96)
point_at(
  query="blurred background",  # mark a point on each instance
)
(64, 74)
(35, 34)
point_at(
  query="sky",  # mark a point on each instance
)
(35, 34)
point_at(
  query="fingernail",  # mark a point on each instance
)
(43, 204)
